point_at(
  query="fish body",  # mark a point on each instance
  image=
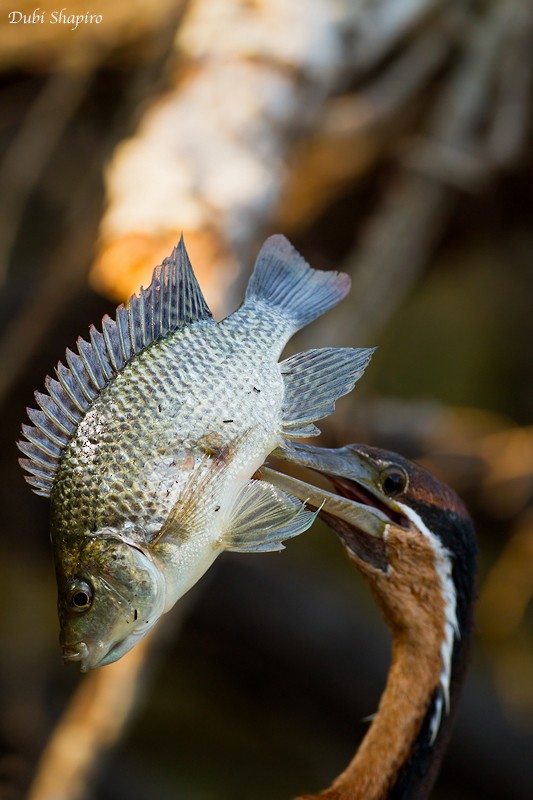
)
(149, 440)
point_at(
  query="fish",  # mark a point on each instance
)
(149, 439)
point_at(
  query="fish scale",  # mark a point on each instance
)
(148, 441)
(141, 432)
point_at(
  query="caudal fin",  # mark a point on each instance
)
(284, 281)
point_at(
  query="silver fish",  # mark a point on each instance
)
(149, 440)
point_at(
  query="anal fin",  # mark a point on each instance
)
(262, 517)
(314, 380)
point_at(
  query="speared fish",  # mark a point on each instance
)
(148, 441)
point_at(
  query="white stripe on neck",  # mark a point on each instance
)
(443, 564)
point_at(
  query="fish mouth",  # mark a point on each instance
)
(78, 651)
(90, 658)
(95, 656)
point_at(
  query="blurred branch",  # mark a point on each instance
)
(27, 157)
(213, 156)
(209, 157)
(503, 625)
(53, 288)
(56, 281)
(510, 124)
(380, 26)
(356, 130)
(450, 156)
(508, 587)
(93, 721)
(478, 452)
(97, 716)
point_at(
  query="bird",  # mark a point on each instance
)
(412, 539)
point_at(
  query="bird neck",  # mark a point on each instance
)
(388, 745)
(399, 757)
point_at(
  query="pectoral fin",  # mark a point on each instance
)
(262, 517)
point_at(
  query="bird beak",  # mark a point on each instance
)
(357, 509)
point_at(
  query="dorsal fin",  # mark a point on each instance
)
(173, 300)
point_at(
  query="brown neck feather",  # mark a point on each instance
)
(388, 743)
(415, 612)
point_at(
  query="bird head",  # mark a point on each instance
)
(412, 539)
(408, 532)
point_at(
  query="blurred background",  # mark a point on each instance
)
(388, 139)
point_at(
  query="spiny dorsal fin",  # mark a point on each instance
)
(172, 300)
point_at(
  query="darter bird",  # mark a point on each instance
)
(412, 539)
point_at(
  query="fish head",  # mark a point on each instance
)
(112, 597)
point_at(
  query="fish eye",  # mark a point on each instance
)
(80, 596)
(394, 481)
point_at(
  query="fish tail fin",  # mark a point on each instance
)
(288, 286)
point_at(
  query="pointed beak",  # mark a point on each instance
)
(356, 508)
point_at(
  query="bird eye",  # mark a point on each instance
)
(81, 596)
(394, 481)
